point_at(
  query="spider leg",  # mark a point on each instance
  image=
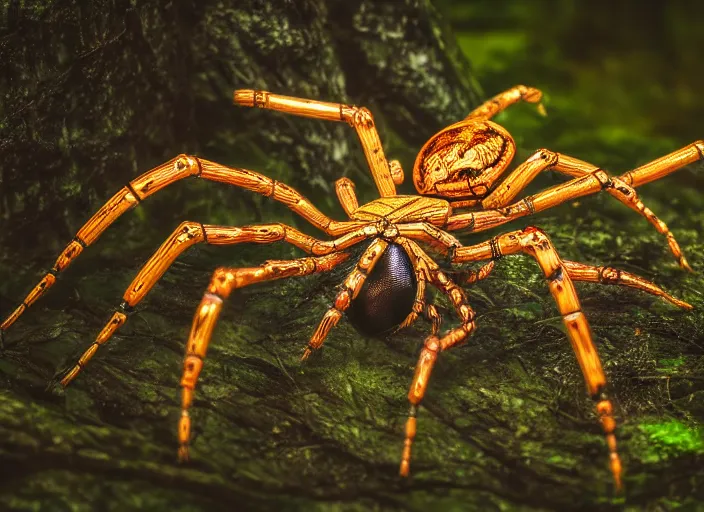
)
(344, 187)
(438, 239)
(154, 180)
(472, 276)
(609, 275)
(225, 280)
(359, 118)
(621, 188)
(505, 99)
(191, 233)
(350, 290)
(535, 243)
(665, 165)
(186, 235)
(419, 304)
(432, 345)
(588, 183)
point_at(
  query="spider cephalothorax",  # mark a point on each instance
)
(386, 289)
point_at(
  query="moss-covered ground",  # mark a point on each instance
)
(506, 424)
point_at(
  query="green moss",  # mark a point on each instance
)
(672, 438)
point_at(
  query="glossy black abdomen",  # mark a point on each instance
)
(387, 296)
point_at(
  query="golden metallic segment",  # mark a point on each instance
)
(621, 188)
(46, 282)
(419, 304)
(66, 380)
(288, 104)
(224, 280)
(481, 274)
(180, 167)
(13, 317)
(363, 121)
(72, 250)
(665, 165)
(346, 241)
(519, 178)
(87, 355)
(116, 320)
(351, 287)
(535, 243)
(407, 446)
(608, 275)
(504, 100)
(106, 215)
(371, 255)
(344, 187)
(434, 316)
(357, 117)
(432, 345)
(265, 186)
(204, 321)
(583, 346)
(424, 367)
(396, 171)
(437, 238)
(605, 411)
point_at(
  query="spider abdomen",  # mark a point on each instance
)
(387, 296)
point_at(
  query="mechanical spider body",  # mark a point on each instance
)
(457, 173)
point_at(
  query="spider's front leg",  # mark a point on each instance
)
(621, 188)
(350, 289)
(503, 100)
(224, 281)
(156, 179)
(535, 243)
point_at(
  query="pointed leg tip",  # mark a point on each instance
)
(404, 470)
(541, 110)
(306, 354)
(618, 486)
(183, 455)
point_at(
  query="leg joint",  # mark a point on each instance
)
(609, 275)
(550, 157)
(603, 178)
(184, 162)
(495, 248)
(537, 238)
(700, 147)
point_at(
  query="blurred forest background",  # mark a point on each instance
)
(93, 93)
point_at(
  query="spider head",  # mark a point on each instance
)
(464, 160)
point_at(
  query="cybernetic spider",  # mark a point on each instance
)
(457, 174)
